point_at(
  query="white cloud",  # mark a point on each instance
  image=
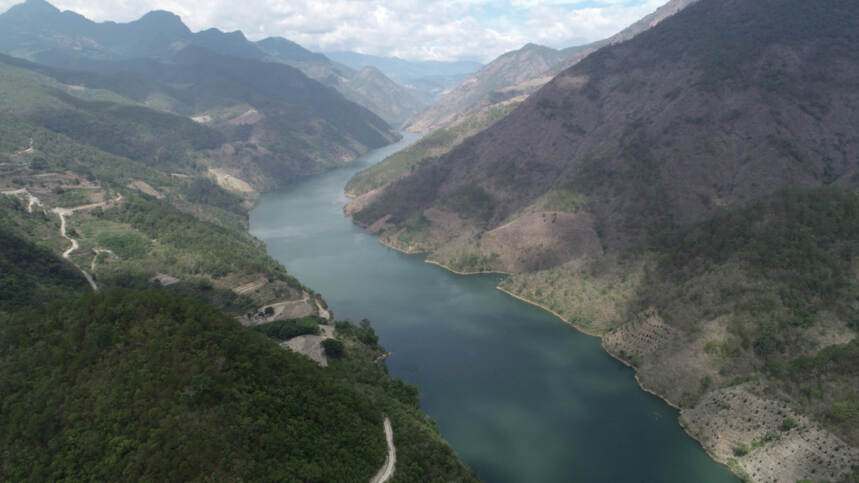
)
(412, 29)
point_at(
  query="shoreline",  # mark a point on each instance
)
(627, 364)
(562, 319)
(439, 264)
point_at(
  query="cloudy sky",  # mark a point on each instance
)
(411, 29)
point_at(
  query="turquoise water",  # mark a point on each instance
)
(521, 396)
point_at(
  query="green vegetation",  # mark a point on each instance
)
(56, 152)
(333, 348)
(215, 250)
(804, 241)
(565, 200)
(421, 453)
(471, 201)
(122, 129)
(472, 262)
(205, 192)
(31, 275)
(164, 384)
(119, 238)
(287, 329)
(160, 387)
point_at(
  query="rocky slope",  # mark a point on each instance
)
(581, 190)
(521, 73)
(507, 70)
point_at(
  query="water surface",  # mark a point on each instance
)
(520, 395)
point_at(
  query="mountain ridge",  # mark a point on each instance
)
(42, 33)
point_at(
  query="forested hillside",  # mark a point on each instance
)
(127, 276)
(130, 385)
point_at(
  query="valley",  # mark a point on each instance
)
(622, 245)
(483, 361)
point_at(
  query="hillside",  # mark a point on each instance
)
(38, 31)
(438, 143)
(426, 80)
(31, 274)
(371, 88)
(241, 116)
(691, 123)
(150, 385)
(522, 72)
(507, 70)
(148, 209)
(392, 101)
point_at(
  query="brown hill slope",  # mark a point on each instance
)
(507, 70)
(706, 111)
(690, 197)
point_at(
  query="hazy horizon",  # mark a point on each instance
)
(467, 30)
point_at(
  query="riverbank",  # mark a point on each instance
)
(624, 362)
(580, 329)
(719, 433)
(436, 263)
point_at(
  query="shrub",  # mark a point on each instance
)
(333, 348)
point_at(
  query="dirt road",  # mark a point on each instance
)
(387, 470)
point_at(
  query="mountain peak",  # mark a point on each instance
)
(37, 7)
(163, 20)
(533, 46)
(213, 32)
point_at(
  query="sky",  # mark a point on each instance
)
(411, 29)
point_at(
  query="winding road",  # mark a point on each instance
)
(387, 470)
(63, 213)
(31, 200)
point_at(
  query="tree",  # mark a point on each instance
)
(333, 348)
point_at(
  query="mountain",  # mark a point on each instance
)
(507, 70)
(404, 71)
(426, 80)
(37, 31)
(520, 73)
(244, 105)
(369, 88)
(688, 195)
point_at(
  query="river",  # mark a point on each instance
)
(521, 396)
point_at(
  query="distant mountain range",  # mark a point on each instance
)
(40, 32)
(520, 73)
(427, 80)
